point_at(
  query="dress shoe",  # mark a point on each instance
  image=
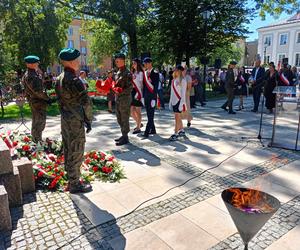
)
(124, 140)
(189, 124)
(80, 188)
(231, 112)
(253, 110)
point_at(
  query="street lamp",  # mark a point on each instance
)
(206, 16)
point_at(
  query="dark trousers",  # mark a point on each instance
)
(160, 93)
(199, 93)
(193, 101)
(256, 97)
(230, 98)
(150, 128)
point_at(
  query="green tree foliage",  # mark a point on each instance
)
(104, 39)
(33, 27)
(276, 7)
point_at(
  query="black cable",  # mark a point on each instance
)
(156, 197)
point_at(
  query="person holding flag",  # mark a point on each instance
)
(178, 101)
(137, 94)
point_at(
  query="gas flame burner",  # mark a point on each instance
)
(249, 209)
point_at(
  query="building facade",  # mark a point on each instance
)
(76, 39)
(280, 40)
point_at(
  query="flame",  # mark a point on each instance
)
(249, 199)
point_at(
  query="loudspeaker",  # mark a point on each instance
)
(218, 63)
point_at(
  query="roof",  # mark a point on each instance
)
(294, 19)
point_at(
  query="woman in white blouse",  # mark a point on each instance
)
(178, 101)
(137, 94)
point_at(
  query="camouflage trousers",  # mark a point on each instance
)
(73, 137)
(39, 113)
(123, 113)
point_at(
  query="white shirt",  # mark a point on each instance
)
(181, 90)
(138, 78)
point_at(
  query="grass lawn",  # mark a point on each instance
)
(13, 111)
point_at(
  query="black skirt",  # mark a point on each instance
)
(134, 102)
(176, 107)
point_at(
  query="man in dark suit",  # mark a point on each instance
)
(151, 80)
(258, 74)
(229, 86)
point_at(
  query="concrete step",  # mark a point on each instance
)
(5, 224)
(26, 174)
(12, 184)
(5, 159)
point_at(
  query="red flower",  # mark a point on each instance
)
(40, 174)
(54, 182)
(56, 165)
(95, 168)
(95, 156)
(25, 147)
(111, 158)
(102, 154)
(51, 157)
(87, 161)
(26, 139)
(56, 170)
(62, 173)
(15, 143)
(107, 170)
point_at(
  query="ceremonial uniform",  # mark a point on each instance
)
(76, 112)
(37, 99)
(123, 88)
(151, 80)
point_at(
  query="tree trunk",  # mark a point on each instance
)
(133, 45)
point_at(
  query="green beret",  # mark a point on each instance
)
(68, 54)
(31, 59)
(120, 55)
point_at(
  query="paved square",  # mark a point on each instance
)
(190, 216)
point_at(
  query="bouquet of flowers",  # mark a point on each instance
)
(48, 162)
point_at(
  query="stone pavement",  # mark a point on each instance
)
(191, 216)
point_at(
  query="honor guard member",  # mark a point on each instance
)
(151, 80)
(229, 86)
(36, 96)
(76, 113)
(122, 87)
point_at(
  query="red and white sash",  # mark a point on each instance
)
(148, 82)
(175, 90)
(138, 95)
(284, 79)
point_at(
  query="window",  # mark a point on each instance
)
(70, 44)
(298, 37)
(267, 40)
(283, 39)
(83, 50)
(82, 38)
(70, 31)
(297, 60)
(280, 57)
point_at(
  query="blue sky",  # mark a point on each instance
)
(257, 22)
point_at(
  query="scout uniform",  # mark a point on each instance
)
(37, 98)
(123, 87)
(76, 112)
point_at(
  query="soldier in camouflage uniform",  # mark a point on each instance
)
(36, 96)
(122, 88)
(76, 112)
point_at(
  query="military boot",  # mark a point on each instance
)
(118, 139)
(80, 188)
(124, 140)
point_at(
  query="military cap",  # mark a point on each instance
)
(68, 54)
(120, 56)
(179, 67)
(31, 59)
(147, 60)
(233, 63)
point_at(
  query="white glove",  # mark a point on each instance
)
(152, 103)
(143, 101)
